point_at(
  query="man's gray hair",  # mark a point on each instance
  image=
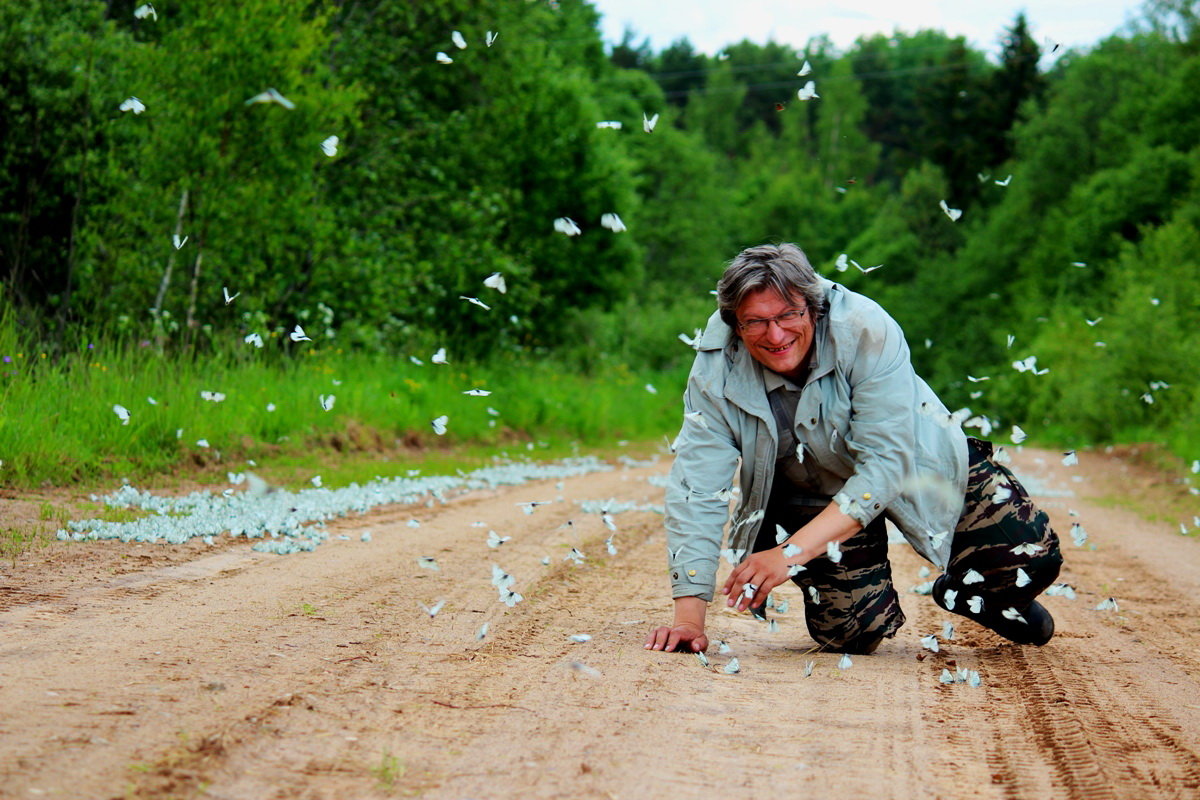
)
(781, 267)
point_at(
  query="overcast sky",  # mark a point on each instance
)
(712, 24)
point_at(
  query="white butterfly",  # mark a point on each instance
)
(1001, 494)
(439, 424)
(442, 58)
(575, 555)
(458, 40)
(612, 222)
(1108, 605)
(1018, 435)
(1011, 339)
(1078, 534)
(772, 626)
(428, 562)
(732, 556)
(611, 124)
(1013, 614)
(327, 401)
(782, 606)
(330, 146)
(1003, 182)
(952, 213)
(299, 335)
(212, 397)
(494, 539)
(814, 594)
(972, 576)
(723, 647)
(228, 297)
(439, 357)
(1080, 264)
(610, 547)
(650, 388)
(481, 633)
(175, 240)
(648, 123)
(808, 91)
(477, 392)
(501, 579)
(151, 401)
(1062, 590)
(1023, 578)
(1070, 459)
(948, 630)
(122, 413)
(949, 597)
(983, 176)
(842, 263)
(270, 406)
(272, 96)
(416, 361)
(414, 523)
(495, 281)
(805, 69)
(510, 598)
(975, 603)
(834, 551)
(581, 637)
(733, 667)
(845, 662)
(475, 301)
(930, 643)
(202, 443)
(316, 481)
(145, 10)
(973, 379)
(133, 104)
(781, 535)
(748, 590)
(1027, 549)
(490, 37)
(865, 270)
(432, 610)
(946, 677)
(608, 522)
(567, 226)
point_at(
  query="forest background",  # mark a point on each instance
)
(1078, 244)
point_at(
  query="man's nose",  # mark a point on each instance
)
(775, 332)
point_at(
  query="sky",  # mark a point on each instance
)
(712, 24)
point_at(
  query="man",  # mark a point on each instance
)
(810, 387)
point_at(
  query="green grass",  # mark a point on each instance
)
(16, 541)
(389, 770)
(58, 427)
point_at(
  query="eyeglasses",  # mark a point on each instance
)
(788, 319)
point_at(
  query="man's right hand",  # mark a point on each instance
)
(686, 637)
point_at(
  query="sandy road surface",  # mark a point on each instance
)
(126, 671)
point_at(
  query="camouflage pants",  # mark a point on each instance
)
(852, 606)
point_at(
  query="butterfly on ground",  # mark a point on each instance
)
(434, 609)
(494, 539)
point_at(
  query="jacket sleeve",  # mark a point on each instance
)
(882, 434)
(698, 489)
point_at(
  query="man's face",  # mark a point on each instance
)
(781, 345)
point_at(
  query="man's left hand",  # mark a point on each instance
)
(765, 570)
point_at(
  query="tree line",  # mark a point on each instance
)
(449, 168)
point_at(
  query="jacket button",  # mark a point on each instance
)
(866, 495)
(877, 506)
(812, 421)
(691, 573)
(675, 576)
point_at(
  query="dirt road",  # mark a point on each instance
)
(149, 671)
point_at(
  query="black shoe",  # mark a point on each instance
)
(1035, 626)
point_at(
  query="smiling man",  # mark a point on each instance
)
(809, 387)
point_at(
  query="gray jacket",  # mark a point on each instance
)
(864, 414)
